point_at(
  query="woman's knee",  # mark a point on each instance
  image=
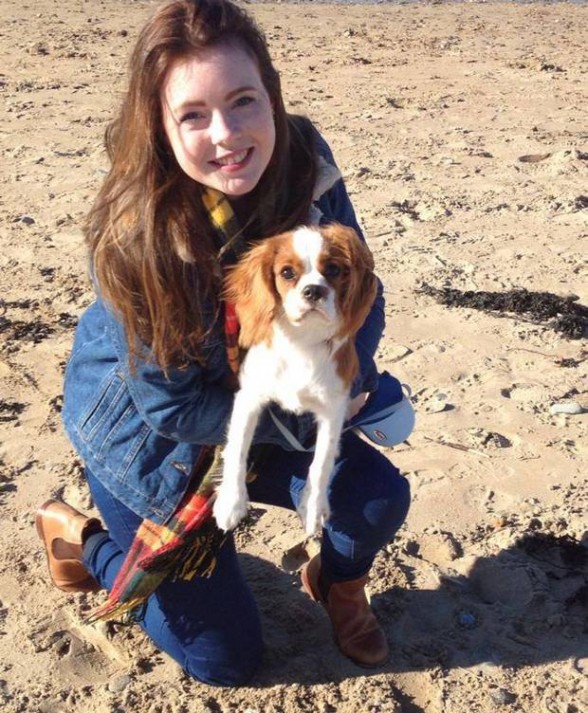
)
(231, 667)
(210, 626)
(219, 653)
(385, 511)
(398, 495)
(365, 473)
(369, 497)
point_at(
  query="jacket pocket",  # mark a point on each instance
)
(112, 428)
(101, 409)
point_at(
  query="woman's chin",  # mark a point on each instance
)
(236, 186)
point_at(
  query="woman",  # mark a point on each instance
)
(148, 385)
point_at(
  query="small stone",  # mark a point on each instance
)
(581, 665)
(502, 697)
(488, 439)
(570, 408)
(26, 219)
(467, 620)
(39, 48)
(437, 403)
(118, 684)
(499, 522)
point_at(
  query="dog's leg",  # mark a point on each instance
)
(231, 501)
(314, 506)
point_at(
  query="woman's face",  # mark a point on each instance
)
(218, 119)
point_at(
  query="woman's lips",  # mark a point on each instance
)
(233, 161)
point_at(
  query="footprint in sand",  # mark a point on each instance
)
(507, 585)
(77, 652)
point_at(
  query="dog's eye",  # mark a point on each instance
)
(331, 270)
(288, 273)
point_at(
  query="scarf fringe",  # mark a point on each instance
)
(197, 557)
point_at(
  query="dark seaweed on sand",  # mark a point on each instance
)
(19, 330)
(562, 314)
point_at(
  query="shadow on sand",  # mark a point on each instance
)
(527, 605)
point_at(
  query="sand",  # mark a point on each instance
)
(461, 132)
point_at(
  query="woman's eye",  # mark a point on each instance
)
(332, 270)
(192, 116)
(244, 101)
(288, 273)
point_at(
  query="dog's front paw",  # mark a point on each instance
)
(230, 507)
(314, 511)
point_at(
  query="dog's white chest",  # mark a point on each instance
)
(296, 380)
(304, 388)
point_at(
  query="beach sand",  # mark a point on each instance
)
(461, 132)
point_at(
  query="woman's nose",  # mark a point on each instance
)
(223, 126)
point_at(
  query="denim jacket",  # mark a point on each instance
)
(140, 431)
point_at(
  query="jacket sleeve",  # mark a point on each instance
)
(186, 404)
(336, 206)
(193, 404)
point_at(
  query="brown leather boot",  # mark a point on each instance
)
(356, 629)
(63, 530)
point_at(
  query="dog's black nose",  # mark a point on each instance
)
(314, 293)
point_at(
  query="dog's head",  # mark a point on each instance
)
(319, 280)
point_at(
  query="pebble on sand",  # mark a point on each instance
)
(570, 408)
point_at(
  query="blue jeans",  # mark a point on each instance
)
(211, 626)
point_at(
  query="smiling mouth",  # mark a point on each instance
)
(233, 160)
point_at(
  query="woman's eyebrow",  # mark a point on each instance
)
(188, 103)
(240, 90)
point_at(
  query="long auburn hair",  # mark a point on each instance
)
(151, 242)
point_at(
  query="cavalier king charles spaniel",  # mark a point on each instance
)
(300, 298)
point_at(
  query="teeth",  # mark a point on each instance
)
(233, 158)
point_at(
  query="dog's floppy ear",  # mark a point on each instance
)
(360, 293)
(249, 286)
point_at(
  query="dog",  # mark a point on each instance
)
(299, 297)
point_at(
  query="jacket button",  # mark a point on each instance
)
(182, 467)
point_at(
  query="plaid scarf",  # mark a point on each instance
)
(231, 245)
(186, 545)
